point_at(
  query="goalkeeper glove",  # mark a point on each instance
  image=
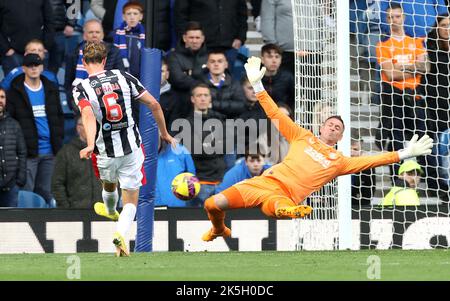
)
(416, 148)
(254, 73)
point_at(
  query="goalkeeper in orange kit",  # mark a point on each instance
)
(310, 163)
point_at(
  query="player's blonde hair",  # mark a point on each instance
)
(94, 52)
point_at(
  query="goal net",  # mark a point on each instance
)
(398, 68)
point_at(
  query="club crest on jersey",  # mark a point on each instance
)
(107, 127)
(332, 156)
(94, 83)
(318, 157)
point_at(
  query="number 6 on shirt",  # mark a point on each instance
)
(113, 109)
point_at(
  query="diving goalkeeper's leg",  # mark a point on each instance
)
(281, 207)
(215, 207)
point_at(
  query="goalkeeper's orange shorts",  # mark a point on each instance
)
(257, 192)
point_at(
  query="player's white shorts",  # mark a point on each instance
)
(128, 169)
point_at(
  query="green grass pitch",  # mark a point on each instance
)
(267, 265)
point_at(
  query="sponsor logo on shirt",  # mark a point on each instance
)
(39, 111)
(318, 157)
(106, 127)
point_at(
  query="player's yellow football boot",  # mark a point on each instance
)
(100, 209)
(211, 235)
(293, 211)
(121, 247)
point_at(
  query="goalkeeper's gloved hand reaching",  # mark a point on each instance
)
(416, 148)
(255, 73)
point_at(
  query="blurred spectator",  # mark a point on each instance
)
(363, 183)
(33, 46)
(227, 95)
(253, 165)
(110, 14)
(273, 145)
(34, 102)
(311, 41)
(22, 21)
(403, 61)
(277, 28)
(168, 99)
(252, 111)
(224, 23)
(436, 88)
(130, 37)
(171, 162)
(278, 83)
(186, 63)
(320, 113)
(367, 26)
(205, 142)
(404, 193)
(443, 155)
(64, 29)
(256, 11)
(437, 80)
(420, 15)
(74, 183)
(13, 152)
(75, 72)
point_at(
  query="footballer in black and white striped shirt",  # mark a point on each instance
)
(110, 94)
(104, 100)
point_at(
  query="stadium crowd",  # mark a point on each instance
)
(203, 47)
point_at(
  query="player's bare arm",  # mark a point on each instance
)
(90, 126)
(155, 107)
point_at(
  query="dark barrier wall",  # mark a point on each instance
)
(69, 231)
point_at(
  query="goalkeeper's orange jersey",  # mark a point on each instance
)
(310, 163)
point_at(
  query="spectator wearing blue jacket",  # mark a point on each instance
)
(252, 165)
(34, 46)
(171, 162)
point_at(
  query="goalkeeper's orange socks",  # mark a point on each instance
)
(217, 217)
(215, 214)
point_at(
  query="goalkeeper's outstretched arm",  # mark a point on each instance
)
(415, 147)
(288, 128)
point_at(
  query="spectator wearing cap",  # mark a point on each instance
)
(34, 102)
(33, 46)
(404, 193)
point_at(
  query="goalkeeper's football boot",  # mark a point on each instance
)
(211, 234)
(100, 209)
(293, 211)
(121, 247)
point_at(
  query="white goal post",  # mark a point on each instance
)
(338, 72)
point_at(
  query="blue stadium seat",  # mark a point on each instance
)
(28, 199)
